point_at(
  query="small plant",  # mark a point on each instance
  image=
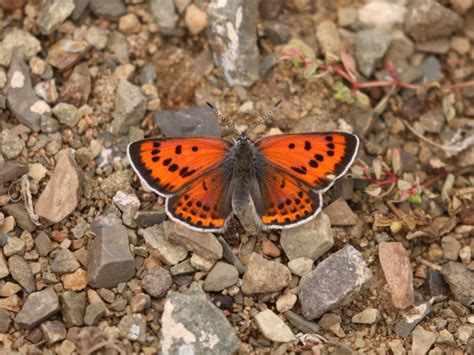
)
(348, 88)
(389, 180)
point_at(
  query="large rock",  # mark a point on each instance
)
(396, 267)
(73, 308)
(334, 281)
(21, 273)
(263, 276)
(110, 260)
(38, 307)
(232, 34)
(427, 19)
(192, 324)
(21, 98)
(204, 244)
(310, 240)
(195, 121)
(18, 42)
(461, 282)
(63, 192)
(130, 107)
(53, 13)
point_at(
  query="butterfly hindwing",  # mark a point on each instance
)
(169, 164)
(205, 204)
(281, 201)
(317, 159)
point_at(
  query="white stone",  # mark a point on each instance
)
(301, 266)
(273, 327)
(286, 302)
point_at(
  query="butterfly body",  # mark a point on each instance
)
(206, 179)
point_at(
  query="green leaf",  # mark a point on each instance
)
(331, 58)
(304, 49)
(415, 199)
(361, 100)
(310, 70)
(342, 93)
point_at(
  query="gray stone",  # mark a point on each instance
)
(147, 74)
(11, 170)
(117, 44)
(42, 243)
(39, 306)
(168, 252)
(22, 219)
(64, 262)
(182, 268)
(263, 276)
(5, 321)
(21, 273)
(112, 9)
(334, 281)
(94, 312)
(232, 34)
(461, 282)
(130, 107)
(79, 9)
(63, 192)
(164, 14)
(302, 324)
(204, 244)
(12, 145)
(192, 324)
(428, 19)
(273, 328)
(73, 307)
(48, 124)
(18, 42)
(310, 240)
(431, 69)
(371, 45)
(435, 284)
(221, 276)
(340, 214)
(410, 318)
(422, 340)
(277, 33)
(195, 121)
(14, 246)
(145, 219)
(156, 281)
(53, 13)
(110, 260)
(230, 256)
(53, 331)
(67, 114)
(301, 266)
(4, 272)
(133, 327)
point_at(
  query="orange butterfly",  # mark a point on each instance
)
(205, 179)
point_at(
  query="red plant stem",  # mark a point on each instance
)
(392, 178)
(438, 177)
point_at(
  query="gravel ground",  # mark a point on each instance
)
(90, 263)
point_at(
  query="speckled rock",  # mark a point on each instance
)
(232, 34)
(18, 42)
(461, 282)
(156, 281)
(335, 280)
(192, 323)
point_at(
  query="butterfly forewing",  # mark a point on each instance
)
(169, 164)
(317, 159)
(281, 201)
(205, 204)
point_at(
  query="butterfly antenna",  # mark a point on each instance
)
(223, 119)
(264, 117)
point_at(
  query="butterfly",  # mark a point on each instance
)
(206, 180)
